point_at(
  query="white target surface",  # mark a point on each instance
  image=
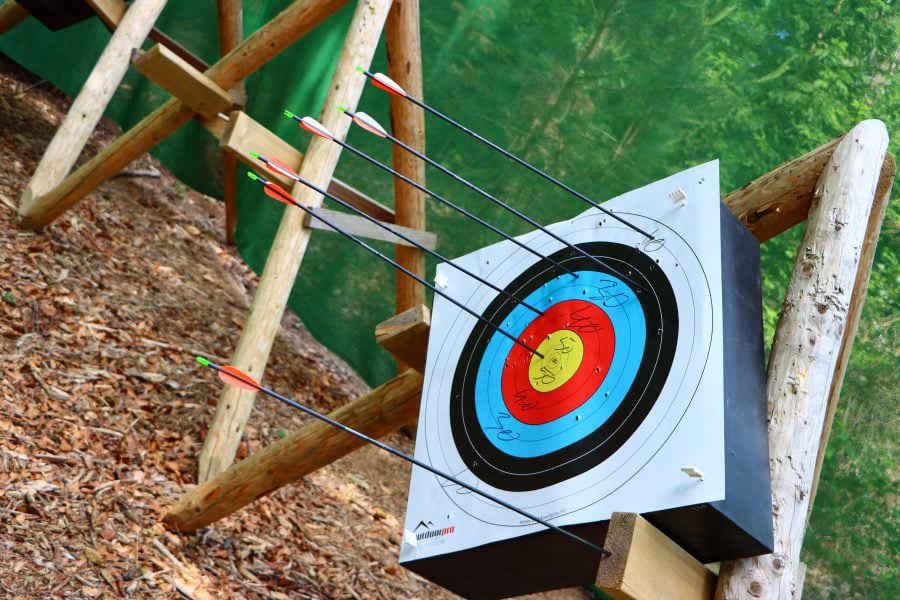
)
(628, 390)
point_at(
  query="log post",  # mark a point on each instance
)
(408, 125)
(11, 14)
(804, 360)
(315, 445)
(291, 241)
(231, 32)
(88, 107)
(267, 42)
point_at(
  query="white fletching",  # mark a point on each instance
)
(316, 127)
(389, 83)
(370, 123)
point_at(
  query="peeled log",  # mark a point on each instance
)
(375, 414)
(804, 359)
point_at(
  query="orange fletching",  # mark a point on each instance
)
(274, 162)
(236, 377)
(274, 191)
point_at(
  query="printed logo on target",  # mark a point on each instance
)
(426, 530)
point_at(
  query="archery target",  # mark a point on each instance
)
(624, 350)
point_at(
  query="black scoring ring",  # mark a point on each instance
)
(513, 473)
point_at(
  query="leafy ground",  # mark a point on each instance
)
(102, 412)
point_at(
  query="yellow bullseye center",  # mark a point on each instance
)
(563, 352)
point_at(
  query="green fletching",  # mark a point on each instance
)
(252, 176)
(254, 154)
(202, 361)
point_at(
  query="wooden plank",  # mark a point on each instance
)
(291, 241)
(408, 125)
(647, 565)
(231, 32)
(164, 68)
(111, 13)
(361, 227)
(803, 363)
(244, 135)
(265, 43)
(780, 199)
(857, 299)
(406, 336)
(92, 100)
(11, 14)
(314, 446)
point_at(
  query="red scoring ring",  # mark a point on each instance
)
(593, 326)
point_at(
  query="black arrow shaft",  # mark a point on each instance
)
(400, 267)
(404, 237)
(519, 161)
(410, 459)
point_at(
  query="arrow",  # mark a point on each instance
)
(321, 131)
(371, 125)
(233, 376)
(280, 167)
(387, 84)
(275, 191)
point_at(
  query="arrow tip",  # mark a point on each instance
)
(202, 361)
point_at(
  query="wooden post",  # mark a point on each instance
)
(804, 359)
(267, 42)
(317, 444)
(291, 241)
(858, 298)
(88, 107)
(11, 14)
(647, 565)
(231, 32)
(408, 125)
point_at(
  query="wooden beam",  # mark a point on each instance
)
(361, 227)
(647, 565)
(803, 363)
(291, 241)
(406, 336)
(265, 43)
(408, 124)
(857, 299)
(231, 32)
(314, 446)
(780, 199)
(244, 135)
(164, 68)
(91, 102)
(111, 13)
(11, 14)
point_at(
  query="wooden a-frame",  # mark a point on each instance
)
(842, 189)
(213, 95)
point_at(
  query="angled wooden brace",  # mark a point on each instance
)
(88, 107)
(270, 40)
(291, 241)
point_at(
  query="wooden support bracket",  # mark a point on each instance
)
(172, 73)
(647, 565)
(243, 135)
(316, 445)
(406, 336)
(361, 227)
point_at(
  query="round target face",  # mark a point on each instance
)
(617, 348)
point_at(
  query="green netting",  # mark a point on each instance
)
(608, 95)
